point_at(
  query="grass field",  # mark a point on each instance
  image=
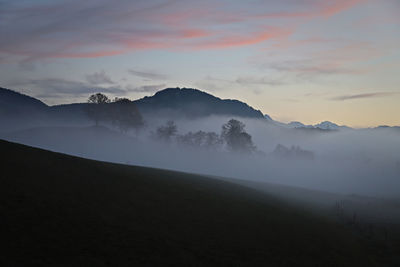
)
(59, 210)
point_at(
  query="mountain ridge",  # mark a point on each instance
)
(169, 102)
(179, 102)
(14, 102)
(193, 103)
(324, 125)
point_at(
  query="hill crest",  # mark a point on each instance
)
(189, 102)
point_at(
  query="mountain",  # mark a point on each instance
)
(59, 210)
(14, 103)
(296, 124)
(193, 103)
(17, 109)
(385, 127)
(170, 103)
(325, 125)
(268, 117)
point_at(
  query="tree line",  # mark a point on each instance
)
(124, 114)
(121, 112)
(233, 135)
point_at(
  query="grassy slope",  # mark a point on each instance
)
(370, 210)
(58, 209)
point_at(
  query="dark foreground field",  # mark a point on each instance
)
(59, 210)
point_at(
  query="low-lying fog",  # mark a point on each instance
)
(365, 162)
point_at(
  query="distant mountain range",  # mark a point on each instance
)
(325, 125)
(170, 103)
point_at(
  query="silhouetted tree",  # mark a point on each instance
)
(125, 115)
(96, 110)
(236, 138)
(98, 98)
(166, 132)
(200, 139)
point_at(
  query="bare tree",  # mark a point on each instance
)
(96, 110)
(98, 98)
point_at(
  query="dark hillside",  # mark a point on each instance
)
(193, 103)
(63, 210)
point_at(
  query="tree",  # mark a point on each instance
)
(165, 133)
(98, 98)
(213, 141)
(200, 139)
(125, 115)
(236, 138)
(96, 110)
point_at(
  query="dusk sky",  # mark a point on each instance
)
(296, 60)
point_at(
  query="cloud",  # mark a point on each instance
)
(251, 80)
(361, 96)
(244, 39)
(146, 88)
(316, 9)
(345, 59)
(64, 87)
(311, 67)
(335, 7)
(99, 78)
(286, 43)
(72, 29)
(148, 75)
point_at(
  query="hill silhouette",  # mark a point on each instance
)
(171, 102)
(193, 103)
(14, 103)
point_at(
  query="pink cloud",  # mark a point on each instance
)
(88, 54)
(183, 17)
(318, 9)
(338, 6)
(109, 30)
(244, 39)
(195, 33)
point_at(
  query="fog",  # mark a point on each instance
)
(364, 162)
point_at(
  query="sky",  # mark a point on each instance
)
(296, 60)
